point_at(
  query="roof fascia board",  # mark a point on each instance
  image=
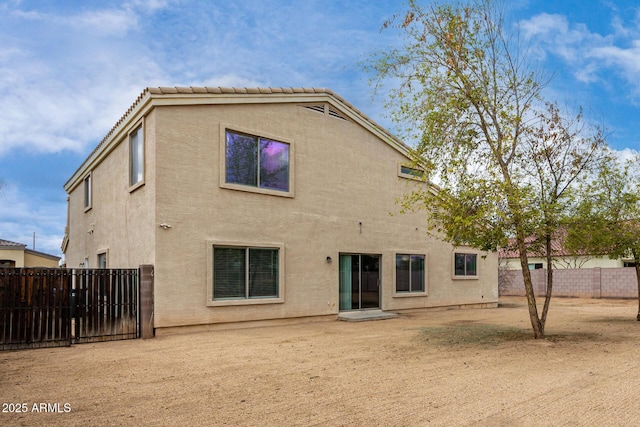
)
(42, 254)
(106, 146)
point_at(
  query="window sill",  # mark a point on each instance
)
(465, 277)
(409, 294)
(135, 186)
(251, 301)
(258, 190)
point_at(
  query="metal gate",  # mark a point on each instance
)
(105, 305)
(54, 307)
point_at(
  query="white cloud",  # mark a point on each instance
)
(626, 154)
(113, 22)
(21, 216)
(544, 25)
(592, 56)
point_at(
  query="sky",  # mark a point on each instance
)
(69, 70)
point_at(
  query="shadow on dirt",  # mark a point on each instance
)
(457, 334)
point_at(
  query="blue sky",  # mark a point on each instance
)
(70, 69)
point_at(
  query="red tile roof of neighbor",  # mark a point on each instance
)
(557, 247)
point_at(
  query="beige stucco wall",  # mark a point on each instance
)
(565, 262)
(344, 176)
(28, 258)
(14, 255)
(121, 219)
(37, 260)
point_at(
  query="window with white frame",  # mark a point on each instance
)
(87, 192)
(258, 162)
(465, 264)
(245, 273)
(136, 157)
(410, 273)
(102, 260)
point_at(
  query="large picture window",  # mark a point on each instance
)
(245, 273)
(465, 264)
(256, 162)
(410, 273)
(136, 157)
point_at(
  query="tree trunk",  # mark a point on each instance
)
(547, 296)
(636, 259)
(538, 330)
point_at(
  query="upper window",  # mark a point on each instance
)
(411, 173)
(87, 192)
(465, 264)
(136, 157)
(257, 162)
(245, 273)
(410, 273)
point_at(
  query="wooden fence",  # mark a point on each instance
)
(35, 308)
(47, 307)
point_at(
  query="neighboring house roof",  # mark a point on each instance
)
(536, 249)
(42, 254)
(7, 244)
(159, 96)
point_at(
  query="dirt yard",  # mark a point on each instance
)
(454, 367)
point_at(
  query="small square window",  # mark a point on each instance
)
(465, 265)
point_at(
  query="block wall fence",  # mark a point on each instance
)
(579, 282)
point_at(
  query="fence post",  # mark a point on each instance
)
(597, 282)
(147, 329)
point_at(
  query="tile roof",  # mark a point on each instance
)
(207, 90)
(535, 248)
(10, 244)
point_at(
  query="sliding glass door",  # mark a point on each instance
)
(359, 281)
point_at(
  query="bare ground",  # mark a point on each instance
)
(454, 367)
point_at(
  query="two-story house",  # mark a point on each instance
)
(265, 203)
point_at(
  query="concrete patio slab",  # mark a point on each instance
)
(365, 315)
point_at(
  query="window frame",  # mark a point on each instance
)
(465, 276)
(419, 174)
(260, 135)
(87, 191)
(247, 246)
(102, 253)
(405, 294)
(138, 157)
